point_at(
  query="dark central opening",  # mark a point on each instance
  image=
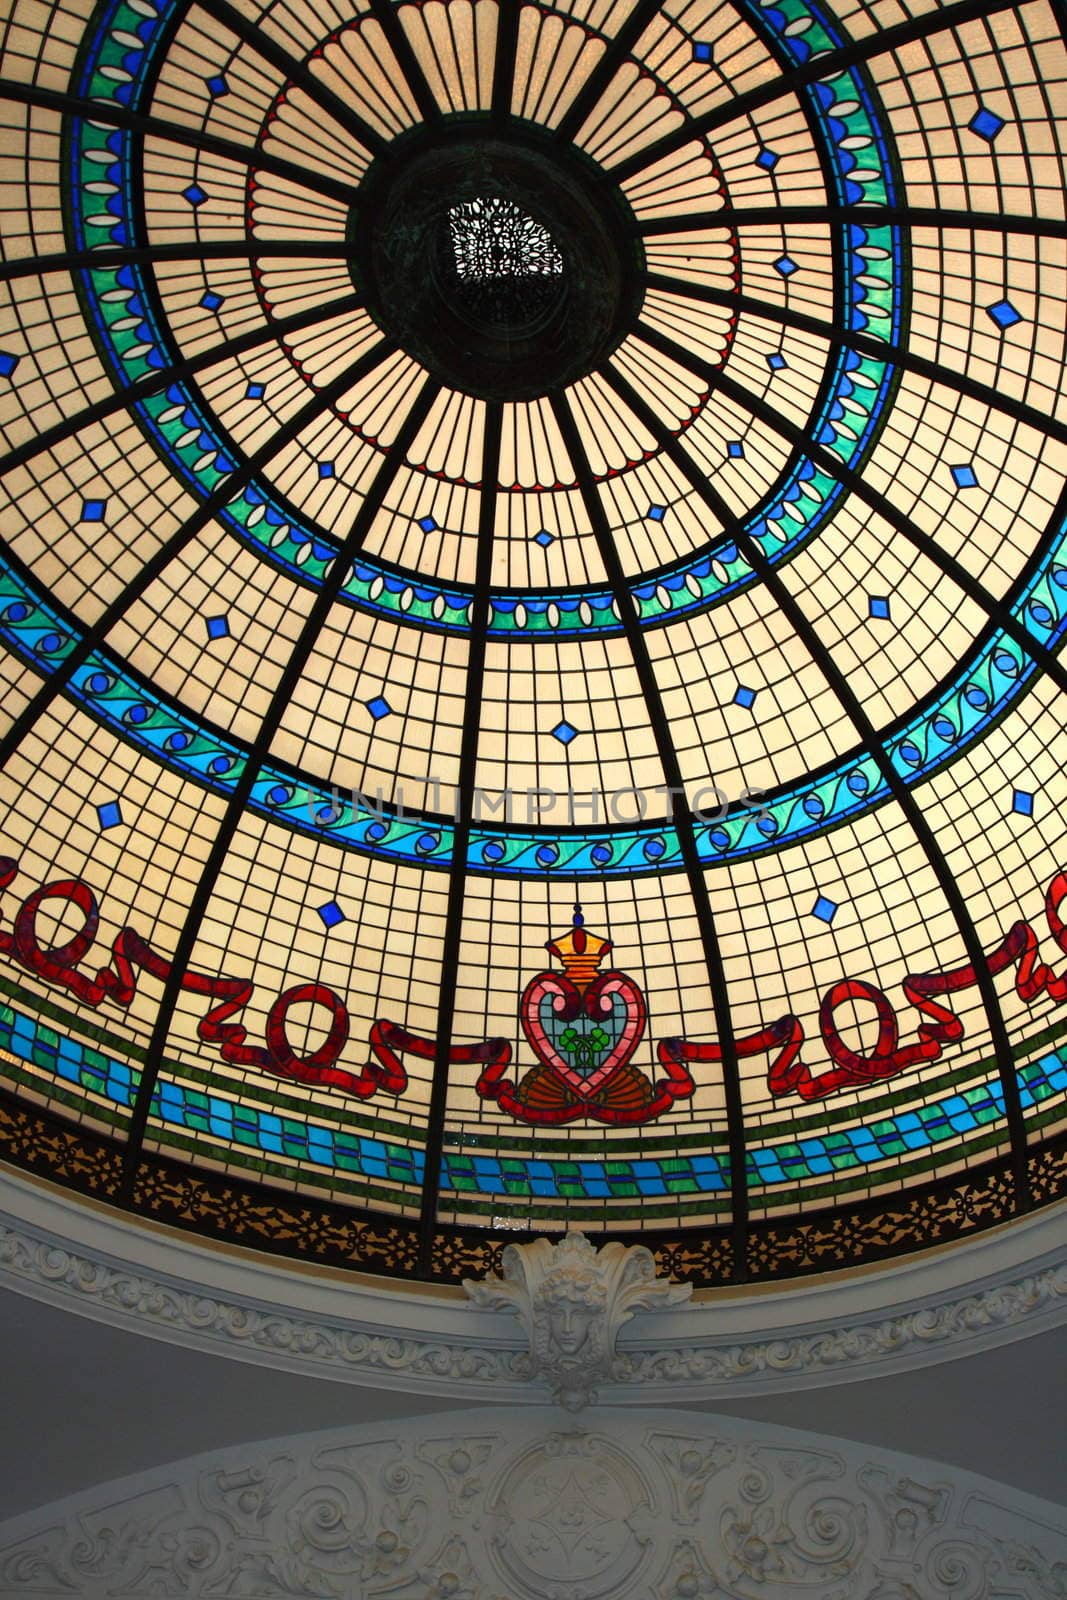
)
(507, 265)
(499, 264)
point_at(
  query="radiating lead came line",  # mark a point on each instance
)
(149, 125)
(864, 215)
(256, 36)
(865, 344)
(105, 257)
(465, 786)
(226, 491)
(257, 756)
(676, 451)
(859, 486)
(153, 382)
(880, 41)
(626, 610)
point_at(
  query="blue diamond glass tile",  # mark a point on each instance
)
(824, 908)
(656, 513)
(594, 1182)
(217, 628)
(774, 1174)
(217, 86)
(786, 266)
(986, 124)
(1004, 314)
(194, 194)
(745, 697)
(878, 606)
(8, 363)
(221, 1119)
(331, 914)
(651, 1186)
(326, 469)
(210, 300)
(963, 1120)
(255, 391)
(864, 1144)
(767, 159)
(564, 732)
(1022, 802)
(379, 707)
(735, 450)
(702, 51)
(776, 361)
(270, 1133)
(964, 476)
(544, 538)
(93, 510)
(427, 524)
(320, 1144)
(109, 814)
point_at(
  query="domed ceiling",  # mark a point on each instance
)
(481, 478)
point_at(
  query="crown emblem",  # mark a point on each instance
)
(584, 1027)
(580, 952)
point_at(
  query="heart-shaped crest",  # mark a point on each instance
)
(585, 1037)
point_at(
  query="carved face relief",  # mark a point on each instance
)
(569, 1322)
(573, 1300)
(571, 1308)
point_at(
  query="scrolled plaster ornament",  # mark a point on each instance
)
(859, 1344)
(594, 1510)
(573, 1299)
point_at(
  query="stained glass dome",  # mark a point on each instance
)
(533, 573)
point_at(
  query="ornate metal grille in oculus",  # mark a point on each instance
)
(506, 264)
(501, 264)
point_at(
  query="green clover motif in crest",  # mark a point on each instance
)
(584, 1047)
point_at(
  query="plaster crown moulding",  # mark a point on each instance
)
(573, 1300)
(160, 1283)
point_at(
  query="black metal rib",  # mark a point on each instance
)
(152, 382)
(683, 823)
(387, 15)
(102, 258)
(599, 80)
(457, 878)
(257, 755)
(72, 105)
(231, 486)
(865, 215)
(880, 41)
(504, 56)
(865, 344)
(252, 33)
(858, 485)
(868, 738)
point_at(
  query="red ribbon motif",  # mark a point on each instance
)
(626, 1098)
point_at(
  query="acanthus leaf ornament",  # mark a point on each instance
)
(573, 1299)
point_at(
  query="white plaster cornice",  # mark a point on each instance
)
(1006, 1285)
